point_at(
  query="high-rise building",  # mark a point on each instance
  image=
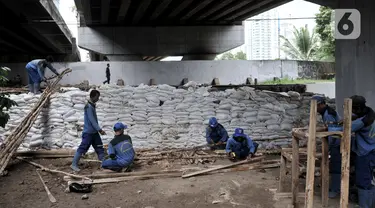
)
(262, 36)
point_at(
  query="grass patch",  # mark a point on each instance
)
(294, 81)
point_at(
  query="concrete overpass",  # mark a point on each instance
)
(136, 30)
(33, 29)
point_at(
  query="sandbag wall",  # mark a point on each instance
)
(163, 116)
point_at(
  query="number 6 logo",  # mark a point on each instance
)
(347, 24)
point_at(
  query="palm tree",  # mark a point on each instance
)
(303, 46)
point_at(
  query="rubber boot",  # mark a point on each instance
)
(36, 88)
(366, 198)
(31, 88)
(334, 189)
(74, 165)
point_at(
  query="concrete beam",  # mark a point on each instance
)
(159, 10)
(161, 41)
(232, 9)
(141, 11)
(196, 9)
(86, 10)
(247, 9)
(197, 57)
(328, 3)
(10, 45)
(179, 9)
(104, 11)
(22, 40)
(258, 9)
(123, 10)
(219, 5)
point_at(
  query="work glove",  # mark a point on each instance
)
(219, 143)
(112, 156)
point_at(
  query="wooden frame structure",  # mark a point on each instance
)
(312, 134)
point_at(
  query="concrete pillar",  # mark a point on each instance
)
(124, 58)
(355, 61)
(209, 57)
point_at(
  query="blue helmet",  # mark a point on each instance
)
(319, 99)
(213, 122)
(238, 132)
(119, 126)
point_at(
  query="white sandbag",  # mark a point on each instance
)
(36, 143)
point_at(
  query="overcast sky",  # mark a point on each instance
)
(294, 9)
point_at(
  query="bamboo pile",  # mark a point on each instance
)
(15, 139)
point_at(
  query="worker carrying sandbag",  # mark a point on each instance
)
(120, 150)
(36, 69)
(216, 135)
(240, 146)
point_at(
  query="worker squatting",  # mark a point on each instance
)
(363, 150)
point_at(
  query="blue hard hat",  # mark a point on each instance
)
(119, 126)
(213, 122)
(319, 99)
(238, 132)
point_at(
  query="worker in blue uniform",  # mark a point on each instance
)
(120, 150)
(36, 69)
(91, 130)
(216, 135)
(240, 146)
(363, 144)
(331, 120)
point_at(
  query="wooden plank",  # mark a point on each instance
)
(345, 152)
(325, 172)
(311, 146)
(282, 179)
(295, 171)
(223, 167)
(50, 196)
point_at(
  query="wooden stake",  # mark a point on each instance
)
(51, 170)
(282, 179)
(223, 167)
(311, 146)
(345, 147)
(295, 171)
(50, 196)
(325, 172)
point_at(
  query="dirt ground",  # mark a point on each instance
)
(23, 188)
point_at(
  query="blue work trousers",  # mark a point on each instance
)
(335, 160)
(364, 167)
(34, 79)
(113, 165)
(242, 153)
(95, 141)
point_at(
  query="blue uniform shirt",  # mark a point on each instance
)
(123, 150)
(233, 145)
(38, 65)
(90, 125)
(331, 121)
(216, 134)
(364, 139)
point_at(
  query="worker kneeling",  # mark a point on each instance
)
(240, 146)
(120, 150)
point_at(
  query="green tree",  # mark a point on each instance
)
(230, 56)
(324, 29)
(303, 46)
(5, 102)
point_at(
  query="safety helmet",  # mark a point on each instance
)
(319, 99)
(213, 122)
(119, 126)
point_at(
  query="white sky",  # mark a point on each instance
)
(294, 9)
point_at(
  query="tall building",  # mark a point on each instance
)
(262, 36)
(286, 30)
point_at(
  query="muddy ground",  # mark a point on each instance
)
(22, 189)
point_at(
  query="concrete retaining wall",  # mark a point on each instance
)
(137, 72)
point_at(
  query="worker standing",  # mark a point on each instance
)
(331, 120)
(120, 150)
(91, 130)
(240, 146)
(363, 144)
(216, 135)
(36, 69)
(107, 74)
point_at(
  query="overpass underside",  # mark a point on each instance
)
(34, 29)
(137, 30)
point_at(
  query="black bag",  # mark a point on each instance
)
(80, 188)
